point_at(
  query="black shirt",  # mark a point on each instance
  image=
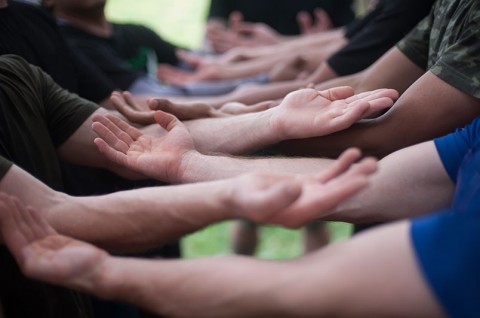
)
(281, 14)
(372, 36)
(28, 31)
(121, 57)
(36, 116)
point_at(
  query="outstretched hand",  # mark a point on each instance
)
(321, 23)
(156, 157)
(44, 254)
(125, 104)
(311, 113)
(301, 199)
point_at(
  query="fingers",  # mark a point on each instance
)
(275, 198)
(235, 20)
(342, 164)
(372, 95)
(184, 111)
(378, 105)
(259, 196)
(342, 117)
(321, 199)
(378, 100)
(304, 22)
(114, 155)
(189, 58)
(115, 139)
(337, 93)
(167, 121)
(123, 107)
(115, 131)
(322, 20)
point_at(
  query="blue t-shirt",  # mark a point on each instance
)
(447, 244)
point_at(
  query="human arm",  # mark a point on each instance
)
(184, 288)
(429, 108)
(139, 219)
(218, 70)
(303, 113)
(415, 174)
(410, 182)
(80, 149)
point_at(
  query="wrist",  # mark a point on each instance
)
(277, 126)
(266, 131)
(111, 283)
(186, 167)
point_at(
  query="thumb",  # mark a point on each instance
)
(166, 120)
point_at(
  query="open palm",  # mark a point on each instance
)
(311, 113)
(301, 199)
(44, 254)
(156, 157)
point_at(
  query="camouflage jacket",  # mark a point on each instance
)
(447, 43)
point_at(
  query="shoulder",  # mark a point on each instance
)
(15, 64)
(31, 11)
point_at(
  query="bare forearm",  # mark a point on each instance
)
(139, 219)
(429, 108)
(252, 67)
(232, 135)
(291, 289)
(201, 167)
(408, 183)
(197, 288)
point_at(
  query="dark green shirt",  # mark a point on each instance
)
(447, 43)
(36, 116)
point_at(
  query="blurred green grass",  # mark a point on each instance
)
(182, 23)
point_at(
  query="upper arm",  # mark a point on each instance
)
(392, 70)
(409, 182)
(80, 148)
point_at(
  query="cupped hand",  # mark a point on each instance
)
(160, 158)
(311, 113)
(294, 200)
(44, 254)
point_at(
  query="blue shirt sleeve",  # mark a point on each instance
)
(447, 247)
(453, 147)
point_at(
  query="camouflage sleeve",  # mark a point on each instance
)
(4, 166)
(415, 44)
(459, 65)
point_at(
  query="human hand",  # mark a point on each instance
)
(175, 76)
(256, 34)
(294, 200)
(309, 113)
(160, 158)
(223, 38)
(307, 26)
(126, 105)
(236, 108)
(44, 254)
